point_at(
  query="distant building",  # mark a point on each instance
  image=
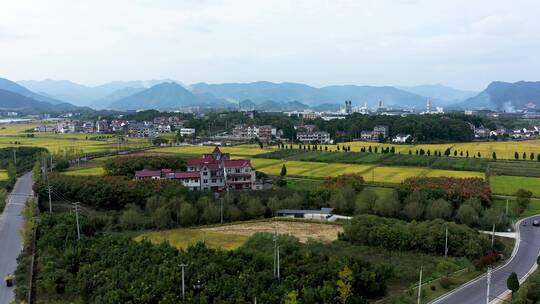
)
(402, 138)
(320, 137)
(380, 132)
(481, 132)
(348, 107)
(366, 135)
(187, 131)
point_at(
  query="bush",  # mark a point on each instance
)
(127, 165)
(445, 282)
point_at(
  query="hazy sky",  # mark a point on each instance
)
(462, 43)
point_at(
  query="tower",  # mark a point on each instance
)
(348, 107)
(428, 106)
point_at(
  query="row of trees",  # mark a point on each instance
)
(127, 165)
(427, 236)
(89, 271)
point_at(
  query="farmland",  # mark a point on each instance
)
(14, 135)
(504, 150)
(3, 175)
(508, 185)
(233, 236)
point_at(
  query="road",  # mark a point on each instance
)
(524, 259)
(10, 237)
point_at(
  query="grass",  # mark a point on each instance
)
(500, 203)
(508, 185)
(86, 171)
(301, 184)
(183, 238)
(3, 175)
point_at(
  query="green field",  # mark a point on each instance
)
(500, 203)
(86, 171)
(508, 185)
(236, 151)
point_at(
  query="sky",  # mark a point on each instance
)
(460, 43)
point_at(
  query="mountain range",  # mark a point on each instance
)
(261, 95)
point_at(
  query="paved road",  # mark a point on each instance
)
(10, 238)
(521, 263)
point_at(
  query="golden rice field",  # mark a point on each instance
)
(86, 171)
(370, 173)
(504, 150)
(236, 151)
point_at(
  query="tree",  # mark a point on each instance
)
(494, 155)
(524, 156)
(365, 201)
(467, 215)
(292, 297)
(445, 267)
(523, 199)
(438, 209)
(512, 283)
(283, 171)
(12, 173)
(532, 156)
(516, 155)
(447, 152)
(414, 210)
(132, 217)
(344, 284)
(187, 215)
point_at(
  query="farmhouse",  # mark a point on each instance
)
(323, 214)
(211, 172)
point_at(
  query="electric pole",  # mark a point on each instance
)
(221, 210)
(488, 284)
(50, 201)
(14, 156)
(76, 207)
(446, 244)
(276, 256)
(493, 237)
(183, 286)
(420, 286)
(506, 207)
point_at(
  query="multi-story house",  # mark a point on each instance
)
(211, 172)
(119, 125)
(141, 129)
(320, 137)
(88, 127)
(266, 132)
(380, 131)
(103, 126)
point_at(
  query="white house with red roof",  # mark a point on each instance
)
(211, 172)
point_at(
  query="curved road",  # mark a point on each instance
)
(521, 262)
(10, 237)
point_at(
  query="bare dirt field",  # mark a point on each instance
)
(302, 230)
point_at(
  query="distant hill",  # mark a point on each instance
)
(168, 96)
(439, 92)
(263, 91)
(114, 96)
(10, 101)
(11, 86)
(504, 96)
(80, 94)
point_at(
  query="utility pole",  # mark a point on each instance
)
(276, 256)
(506, 207)
(50, 201)
(278, 276)
(420, 286)
(488, 284)
(14, 156)
(221, 210)
(183, 286)
(493, 237)
(76, 207)
(446, 244)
